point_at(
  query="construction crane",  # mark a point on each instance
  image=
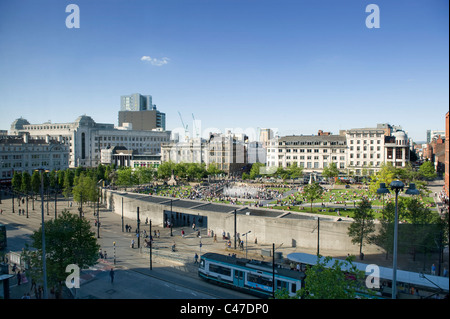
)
(186, 132)
(196, 133)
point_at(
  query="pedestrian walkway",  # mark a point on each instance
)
(121, 256)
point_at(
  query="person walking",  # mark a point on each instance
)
(111, 275)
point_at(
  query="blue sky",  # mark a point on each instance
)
(297, 66)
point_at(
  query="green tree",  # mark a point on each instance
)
(26, 182)
(36, 182)
(85, 189)
(214, 170)
(100, 172)
(16, 181)
(281, 173)
(421, 232)
(386, 175)
(68, 183)
(107, 174)
(255, 170)
(68, 240)
(165, 169)
(295, 171)
(385, 237)
(312, 192)
(125, 177)
(53, 179)
(143, 175)
(427, 171)
(362, 227)
(196, 171)
(407, 174)
(337, 280)
(331, 171)
(61, 175)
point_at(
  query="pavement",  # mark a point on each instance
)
(122, 258)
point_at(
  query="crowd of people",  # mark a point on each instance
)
(220, 191)
(261, 192)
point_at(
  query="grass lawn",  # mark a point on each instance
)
(351, 196)
(324, 211)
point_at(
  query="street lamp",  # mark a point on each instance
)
(246, 243)
(114, 244)
(44, 264)
(396, 186)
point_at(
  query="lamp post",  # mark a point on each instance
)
(150, 244)
(44, 264)
(114, 244)
(138, 230)
(171, 234)
(246, 244)
(396, 186)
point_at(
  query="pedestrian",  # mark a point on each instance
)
(433, 269)
(104, 254)
(132, 243)
(19, 278)
(196, 259)
(111, 274)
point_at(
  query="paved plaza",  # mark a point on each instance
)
(115, 241)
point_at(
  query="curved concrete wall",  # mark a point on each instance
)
(289, 229)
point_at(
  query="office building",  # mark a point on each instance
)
(141, 113)
(312, 152)
(23, 153)
(227, 151)
(86, 138)
(359, 151)
(136, 102)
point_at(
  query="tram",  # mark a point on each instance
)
(251, 276)
(410, 285)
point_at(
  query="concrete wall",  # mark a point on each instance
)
(291, 232)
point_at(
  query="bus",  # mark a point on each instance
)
(250, 276)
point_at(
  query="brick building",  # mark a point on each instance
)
(446, 174)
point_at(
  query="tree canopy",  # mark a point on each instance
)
(363, 225)
(340, 280)
(68, 240)
(312, 192)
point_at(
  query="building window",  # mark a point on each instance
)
(83, 145)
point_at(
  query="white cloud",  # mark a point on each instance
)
(155, 61)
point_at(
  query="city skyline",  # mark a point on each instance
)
(298, 66)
